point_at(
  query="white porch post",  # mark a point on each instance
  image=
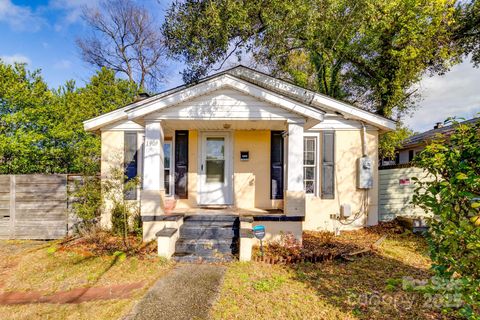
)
(153, 192)
(294, 194)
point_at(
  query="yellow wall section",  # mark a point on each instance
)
(112, 151)
(348, 145)
(252, 177)
(111, 157)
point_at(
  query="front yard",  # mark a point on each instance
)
(369, 287)
(33, 269)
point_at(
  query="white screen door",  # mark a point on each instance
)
(215, 169)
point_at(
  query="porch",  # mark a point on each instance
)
(239, 212)
(235, 167)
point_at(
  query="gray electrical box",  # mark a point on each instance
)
(364, 173)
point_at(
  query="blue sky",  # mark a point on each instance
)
(43, 32)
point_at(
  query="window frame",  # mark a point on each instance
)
(170, 168)
(134, 195)
(316, 137)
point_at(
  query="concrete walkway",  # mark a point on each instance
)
(185, 293)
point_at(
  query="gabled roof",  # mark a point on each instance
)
(422, 138)
(299, 100)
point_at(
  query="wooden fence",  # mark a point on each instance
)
(396, 189)
(35, 206)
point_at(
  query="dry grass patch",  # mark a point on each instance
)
(368, 288)
(41, 266)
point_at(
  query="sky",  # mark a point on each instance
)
(42, 33)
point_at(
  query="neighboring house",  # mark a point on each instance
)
(396, 178)
(416, 143)
(251, 145)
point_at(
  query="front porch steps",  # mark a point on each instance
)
(208, 238)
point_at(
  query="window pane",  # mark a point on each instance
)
(167, 181)
(167, 151)
(309, 173)
(215, 149)
(215, 171)
(310, 145)
(309, 162)
(309, 186)
(309, 158)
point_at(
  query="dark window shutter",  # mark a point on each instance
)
(276, 165)
(181, 164)
(130, 161)
(328, 165)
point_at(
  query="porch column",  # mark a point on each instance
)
(153, 192)
(294, 195)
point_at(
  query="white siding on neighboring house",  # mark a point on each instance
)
(396, 189)
(404, 155)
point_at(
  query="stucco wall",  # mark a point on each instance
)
(348, 148)
(111, 157)
(252, 177)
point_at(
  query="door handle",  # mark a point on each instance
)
(202, 167)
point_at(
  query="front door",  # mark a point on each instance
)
(215, 185)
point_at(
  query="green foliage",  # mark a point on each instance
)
(368, 52)
(87, 193)
(467, 32)
(269, 284)
(390, 141)
(452, 196)
(41, 130)
(124, 214)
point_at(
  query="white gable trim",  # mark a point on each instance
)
(315, 99)
(225, 104)
(222, 82)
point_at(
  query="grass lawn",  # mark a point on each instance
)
(368, 288)
(38, 266)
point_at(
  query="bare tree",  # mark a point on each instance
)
(126, 40)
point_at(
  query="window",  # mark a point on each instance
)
(130, 162)
(167, 162)
(276, 165)
(309, 164)
(410, 155)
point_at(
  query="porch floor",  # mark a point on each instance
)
(226, 211)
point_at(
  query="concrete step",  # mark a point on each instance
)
(196, 258)
(208, 232)
(212, 219)
(206, 246)
(208, 223)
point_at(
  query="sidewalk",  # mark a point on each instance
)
(187, 292)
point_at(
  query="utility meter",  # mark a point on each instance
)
(364, 173)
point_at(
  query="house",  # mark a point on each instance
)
(241, 143)
(416, 143)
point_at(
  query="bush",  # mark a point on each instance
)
(88, 199)
(453, 198)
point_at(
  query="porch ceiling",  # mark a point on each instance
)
(171, 125)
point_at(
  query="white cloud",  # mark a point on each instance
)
(62, 64)
(453, 94)
(20, 58)
(19, 18)
(72, 11)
